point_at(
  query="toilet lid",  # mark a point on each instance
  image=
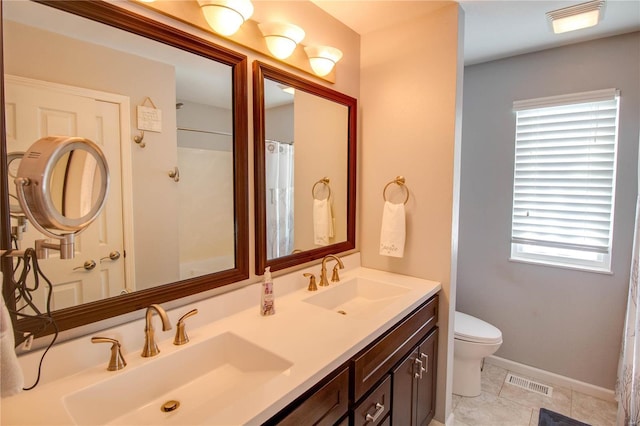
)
(472, 329)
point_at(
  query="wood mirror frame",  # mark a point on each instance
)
(117, 17)
(260, 72)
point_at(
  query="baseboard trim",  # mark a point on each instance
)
(552, 378)
(450, 420)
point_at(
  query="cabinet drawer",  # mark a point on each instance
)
(325, 406)
(377, 360)
(374, 408)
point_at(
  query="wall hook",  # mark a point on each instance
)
(139, 139)
(175, 174)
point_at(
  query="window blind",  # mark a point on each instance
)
(564, 180)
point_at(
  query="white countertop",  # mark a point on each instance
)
(313, 339)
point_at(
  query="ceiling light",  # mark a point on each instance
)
(281, 38)
(322, 58)
(287, 89)
(226, 16)
(576, 17)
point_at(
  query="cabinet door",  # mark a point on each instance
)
(426, 381)
(414, 385)
(405, 390)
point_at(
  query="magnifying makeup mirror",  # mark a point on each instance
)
(61, 185)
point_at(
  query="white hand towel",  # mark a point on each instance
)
(12, 380)
(322, 222)
(392, 233)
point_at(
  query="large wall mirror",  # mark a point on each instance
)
(176, 218)
(305, 169)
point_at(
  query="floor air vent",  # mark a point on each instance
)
(529, 385)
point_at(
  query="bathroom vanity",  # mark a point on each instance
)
(340, 354)
(391, 379)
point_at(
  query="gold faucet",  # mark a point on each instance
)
(150, 348)
(312, 282)
(323, 272)
(181, 333)
(117, 361)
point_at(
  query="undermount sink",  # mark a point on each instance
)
(357, 297)
(205, 377)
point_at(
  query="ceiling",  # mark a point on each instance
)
(494, 29)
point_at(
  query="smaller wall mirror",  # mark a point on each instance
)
(305, 169)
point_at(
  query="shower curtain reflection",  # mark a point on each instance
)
(279, 187)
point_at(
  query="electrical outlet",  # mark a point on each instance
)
(26, 345)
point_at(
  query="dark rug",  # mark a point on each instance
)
(551, 418)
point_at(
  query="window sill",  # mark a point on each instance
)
(581, 268)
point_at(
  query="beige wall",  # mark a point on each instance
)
(278, 123)
(410, 79)
(321, 150)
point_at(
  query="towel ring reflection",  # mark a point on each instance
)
(399, 180)
(325, 181)
(139, 139)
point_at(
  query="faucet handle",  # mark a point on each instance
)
(181, 333)
(312, 282)
(117, 361)
(335, 277)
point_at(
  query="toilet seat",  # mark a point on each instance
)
(472, 329)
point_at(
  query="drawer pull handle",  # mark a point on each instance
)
(425, 362)
(418, 375)
(377, 414)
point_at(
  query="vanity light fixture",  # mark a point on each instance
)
(226, 16)
(583, 15)
(323, 58)
(282, 38)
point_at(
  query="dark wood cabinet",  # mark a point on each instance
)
(377, 360)
(391, 381)
(414, 385)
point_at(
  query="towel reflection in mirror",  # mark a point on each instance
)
(323, 218)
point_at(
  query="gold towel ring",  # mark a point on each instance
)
(399, 180)
(325, 181)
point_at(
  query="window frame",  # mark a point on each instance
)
(559, 252)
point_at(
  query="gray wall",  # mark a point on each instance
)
(563, 321)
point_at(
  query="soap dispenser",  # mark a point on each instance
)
(267, 306)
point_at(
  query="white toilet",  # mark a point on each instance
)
(474, 339)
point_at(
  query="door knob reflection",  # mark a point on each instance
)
(114, 255)
(87, 266)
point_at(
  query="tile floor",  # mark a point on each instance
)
(502, 404)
